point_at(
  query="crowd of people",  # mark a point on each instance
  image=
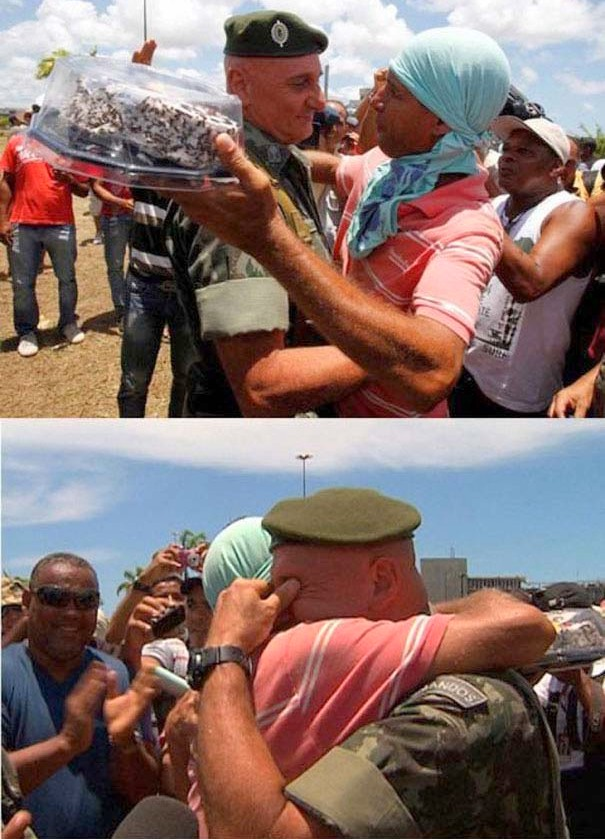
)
(365, 266)
(291, 679)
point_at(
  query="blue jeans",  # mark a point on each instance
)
(149, 307)
(116, 233)
(28, 241)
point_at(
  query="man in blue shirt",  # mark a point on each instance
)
(68, 715)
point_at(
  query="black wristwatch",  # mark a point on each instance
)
(201, 662)
(139, 586)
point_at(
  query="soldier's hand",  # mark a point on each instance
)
(246, 612)
(81, 707)
(242, 215)
(145, 54)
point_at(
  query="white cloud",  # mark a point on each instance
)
(529, 24)
(529, 75)
(181, 27)
(270, 446)
(41, 495)
(583, 87)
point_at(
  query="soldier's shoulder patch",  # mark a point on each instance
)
(460, 691)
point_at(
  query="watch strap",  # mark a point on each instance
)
(202, 661)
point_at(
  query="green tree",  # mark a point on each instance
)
(129, 578)
(46, 64)
(598, 135)
(189, 539)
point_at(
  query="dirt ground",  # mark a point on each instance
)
(65, 380)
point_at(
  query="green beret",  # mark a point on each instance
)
(342, 516)
(271, 34)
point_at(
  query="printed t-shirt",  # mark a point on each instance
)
(38, 197)
(448, 244)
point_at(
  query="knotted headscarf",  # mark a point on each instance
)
(463, 77)
(242, 549)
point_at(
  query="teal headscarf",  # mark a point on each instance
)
(463, 77)
(242, 549)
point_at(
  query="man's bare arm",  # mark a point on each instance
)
(323, 166)
(35, 764)
(6, 196)
(108, 197)
(242, 787)
(417, 356)
(567, 240)
(491, 630)
(269, 380)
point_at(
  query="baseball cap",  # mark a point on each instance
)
(549, 132)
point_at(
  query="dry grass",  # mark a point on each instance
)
(65, 380)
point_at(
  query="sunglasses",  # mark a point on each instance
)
(59, 598)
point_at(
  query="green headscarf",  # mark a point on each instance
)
(463, 77)
(242, 549)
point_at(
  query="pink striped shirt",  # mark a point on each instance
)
(316, 683)
(445, 252)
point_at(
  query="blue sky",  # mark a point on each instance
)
(514, 497)
(556, 47)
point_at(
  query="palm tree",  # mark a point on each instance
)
(189, 539)
(130, 577)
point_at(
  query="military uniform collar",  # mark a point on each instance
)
(273, 155)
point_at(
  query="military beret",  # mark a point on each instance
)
(271, 34)
(342, 515)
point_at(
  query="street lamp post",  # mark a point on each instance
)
(144, 20)
(304, 458)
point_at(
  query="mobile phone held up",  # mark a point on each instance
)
(167, 620)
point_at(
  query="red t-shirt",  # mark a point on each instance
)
(38, 197)
(108, 209)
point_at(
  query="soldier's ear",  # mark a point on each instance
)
(384, 584)
(239, 83)
(26, 598)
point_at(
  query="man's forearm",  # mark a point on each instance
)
(242, 787)
(323, 166)
(35, 764)
(491, 630)
(409, 353)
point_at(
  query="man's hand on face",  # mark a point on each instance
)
(243, 215)
(145, 54)
(246, 612)
(82, 705)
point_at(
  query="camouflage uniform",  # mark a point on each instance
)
(224, 291)
(465, 756)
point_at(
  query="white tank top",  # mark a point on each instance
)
(518, 352)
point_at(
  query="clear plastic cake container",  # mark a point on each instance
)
(133, 125)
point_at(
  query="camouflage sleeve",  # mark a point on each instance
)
(233, 293)
(347, 792)
(465, 755)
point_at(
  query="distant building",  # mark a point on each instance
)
(444, 578)
(503, 583)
